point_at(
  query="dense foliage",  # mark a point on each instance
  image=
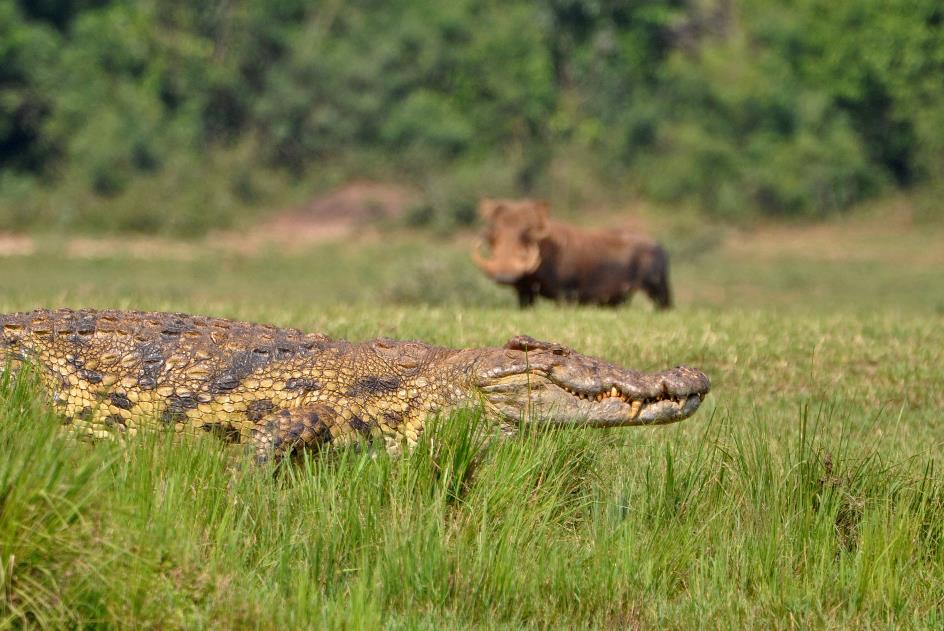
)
(172, 115)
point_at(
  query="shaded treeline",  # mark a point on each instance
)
(165, 115)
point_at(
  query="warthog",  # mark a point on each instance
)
(539, 256)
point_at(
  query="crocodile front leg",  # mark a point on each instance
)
(293, 430)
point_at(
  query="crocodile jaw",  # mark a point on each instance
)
(536, 398)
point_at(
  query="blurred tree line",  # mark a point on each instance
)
(171, 115)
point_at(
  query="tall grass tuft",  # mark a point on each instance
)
(54, 556)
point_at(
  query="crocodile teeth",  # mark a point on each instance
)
(614, 392)
(634, 409)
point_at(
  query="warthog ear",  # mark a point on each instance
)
(488, 208)
(528, 343)
(542, 211)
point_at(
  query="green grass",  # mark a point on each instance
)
(807, 492)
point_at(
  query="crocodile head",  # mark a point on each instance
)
(549, 383)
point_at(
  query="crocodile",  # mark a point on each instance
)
(282, 391)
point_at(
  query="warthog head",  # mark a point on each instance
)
(514, 230)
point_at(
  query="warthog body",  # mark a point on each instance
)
(539, 256)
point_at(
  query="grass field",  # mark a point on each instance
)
(806, 493)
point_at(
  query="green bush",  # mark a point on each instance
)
(736, 107)
(427, 123)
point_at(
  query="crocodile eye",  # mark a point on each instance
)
(405, 355)
(407, 362)
(528, 343)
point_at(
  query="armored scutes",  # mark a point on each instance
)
(281, 390)
(542, 257)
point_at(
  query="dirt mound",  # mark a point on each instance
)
(343, 210)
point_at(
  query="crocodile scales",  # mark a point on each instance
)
(110, 373)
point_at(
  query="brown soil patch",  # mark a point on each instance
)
(16, 245)
(340, 212)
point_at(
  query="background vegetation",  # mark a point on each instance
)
(174, 116)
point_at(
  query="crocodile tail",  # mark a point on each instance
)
(9, 340)
(13, 328)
